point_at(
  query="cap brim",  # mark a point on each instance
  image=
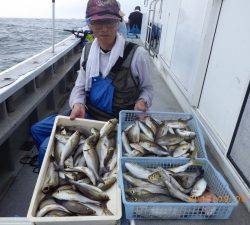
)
(104, 17)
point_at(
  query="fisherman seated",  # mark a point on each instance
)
(114, 74)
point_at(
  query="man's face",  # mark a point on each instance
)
(105, 30)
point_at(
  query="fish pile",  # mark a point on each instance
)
(82, 168)
(149, 137)
(174, 184)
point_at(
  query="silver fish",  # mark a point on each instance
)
(152, 124)
(108, 183)
(169, 140)
(90, 191)
(125, 142)
(57, 213)
(177, 124)
(138, 147)
(153, 198)
(162, 130)
(181, 168)
(104, 149)
(70, 195)
(88, 172)
(199, 188)
(112, 162)
(133, 133)
(185, 133)
(144, 137)
(69, 147)
(108, 127)
(146, 130)
(135, 153)
(77, 208)
(42, 212)
(187, 179)
(137, 170)
(154, 148)
(181, 150)
(146, 190)
(134, 181)
(173, 191)
(92, 160)
(51, 179)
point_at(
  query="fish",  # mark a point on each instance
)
(181, 150)
(133, 134)
(137, 170)
(154, 148)
(181, 168)
(173, 191)
(177, 124)
(126, 144)
(186, 133)
(152, 124)
(108, 127)
(92, 160)
(46, 201)
(59, 147)
(71, 195)
(51, 179)
(111, 173)
(153, 198)
(69, 147)
(104, 149)
(146, 130)
(80, 161)
(57, 213)
(134, 181)
(100, 209)
(146, 190)
(48, 208)
(144, 137)
(90, 191)
(162, 130)
(138, 147)
(77, 208)
(169, 178)
(112, 162)
(169, 140)
(187, 179)
(199, 188)
(135, 153)
(85, 170)
(108, 183)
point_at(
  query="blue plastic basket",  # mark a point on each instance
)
(149, 210)
(127, 117)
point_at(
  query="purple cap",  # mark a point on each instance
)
(103, 9)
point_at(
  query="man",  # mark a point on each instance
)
(114, 75)
(135, 20)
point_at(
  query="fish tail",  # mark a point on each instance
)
(106, 211)
(103, 170)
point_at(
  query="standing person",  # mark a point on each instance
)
(135, 21)
(114, 75)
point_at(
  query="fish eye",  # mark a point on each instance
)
(132, 192)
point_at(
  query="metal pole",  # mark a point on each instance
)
(53, 26)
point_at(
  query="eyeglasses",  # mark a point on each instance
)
(106, 23)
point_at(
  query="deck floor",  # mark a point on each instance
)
(21, 191)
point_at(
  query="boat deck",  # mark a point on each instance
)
(16, 200)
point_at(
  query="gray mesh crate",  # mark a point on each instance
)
(127, 117)
(149, 210)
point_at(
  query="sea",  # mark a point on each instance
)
(22, 38)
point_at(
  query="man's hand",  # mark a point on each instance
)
(141, 105)
(78, 111)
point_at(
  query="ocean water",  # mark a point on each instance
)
(23, 38)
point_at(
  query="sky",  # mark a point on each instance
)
(64, 8)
